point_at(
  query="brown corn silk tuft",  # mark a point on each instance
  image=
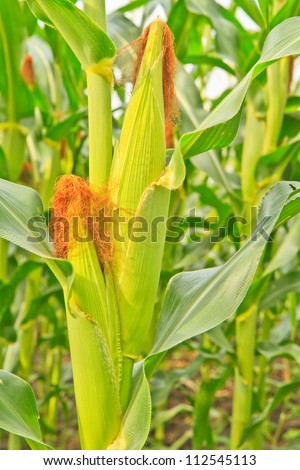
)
(169, 70)
(27, 71)
(74, 199)
(169, 135)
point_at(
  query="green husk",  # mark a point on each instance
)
(95, 377)
(138, 163)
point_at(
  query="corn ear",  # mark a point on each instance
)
(93, 321)
(95, 378)
(139, 279)
(141, 154)
(139, 162)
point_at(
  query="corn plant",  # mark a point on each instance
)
(110, 283)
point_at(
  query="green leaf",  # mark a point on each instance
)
(271, 350)
(278, 398)
(8, 333)
(15, 95)
(7, 290)
(212, 60)
(21, 211)
(18, 411)
(19, 100)
(279, 288)
(287, 251)
(87, 40)
(252, 10)
(22, 222)
(132, 5)
(121, 30)
(291, 209)
(288, 9)
(218, 336)
(137, 419)
(210, 164)
(197, 301)
(204, 399)
(226, 37)
(188, 97)
(62, 129)
(3, 165)
(264, 8)
(219, 128)
(166, 415)
(277, 160)
(38, 306)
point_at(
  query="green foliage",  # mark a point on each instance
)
(87, 40)
(18, 412)
(221, 356)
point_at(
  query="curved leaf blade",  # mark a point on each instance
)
(279, 288)
(18, 411)
(88, 41)
(197, 301)
(220, 127)
(22, 222)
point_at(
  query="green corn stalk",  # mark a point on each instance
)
(243, 375)
(111, 305)
(100, 119)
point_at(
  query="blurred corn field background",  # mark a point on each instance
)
(237, 384)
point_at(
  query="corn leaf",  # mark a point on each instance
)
(192, 294)
(290, 210)
(290, 8)
(16, 93)
(264, 8)
(226, 32)
(18, 411)
(143, 256)
(279, 288)
(272, 350)
(196, 302)
(22, 222)
(18, 100)
(121, 30)
(137, 419)
(287, 252)
(219, 128)
(87, 40)
(8, 289)
(189, 101)
(252, 10)
(278, 398)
